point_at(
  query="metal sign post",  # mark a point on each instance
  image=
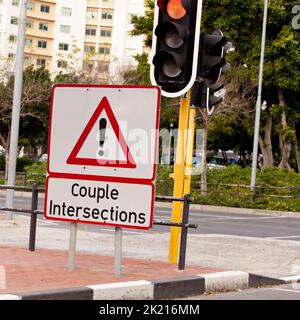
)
(118, 252)
(72, 246)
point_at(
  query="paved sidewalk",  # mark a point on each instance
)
(268, 257)
(47, 269)
(145, 256)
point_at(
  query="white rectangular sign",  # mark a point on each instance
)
(100, 202)
(104, 131)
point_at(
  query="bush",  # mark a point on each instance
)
(36, 173)
(164, 184)
(22, 163)
(276, 189)
(2, 162)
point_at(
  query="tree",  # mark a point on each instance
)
(34, 110)
(241, 21)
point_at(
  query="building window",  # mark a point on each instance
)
(90, 32)
(89, 49)
(63, 46)
(29, 24)
(66, 11)
(107, 15)
(105, 33)
(15, 3)
(104, 50)
(103, 66)
(62, 64)
(27, 60)
(28, 42)
(45, 8)
(43, 26)
(14, 20)
(30, 6)
(88, 66)
(11, 56)
(41, 62)
(65, 29)
(92, 14)
(42, 44)
(12, 38)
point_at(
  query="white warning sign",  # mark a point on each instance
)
(104, 131)
(100, 202)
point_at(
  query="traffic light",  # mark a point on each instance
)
(211, 56)
(203, 97)
(175, 46)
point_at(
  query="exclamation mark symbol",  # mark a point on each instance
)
(102, 128)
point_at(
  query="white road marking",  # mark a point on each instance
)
(283, 237)
(287, 290)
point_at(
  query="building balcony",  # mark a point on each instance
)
(106, 22)
(108, 4)
(37, 33)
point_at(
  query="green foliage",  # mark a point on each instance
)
(143, 25)
(2, 163)
(140, 75)
(164, 184)
(34, 109)
(242, 21)
(36, 173)
(227, 132)
(276, 189)
(37, 167)
(22, 163)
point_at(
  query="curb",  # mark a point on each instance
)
(173, 288)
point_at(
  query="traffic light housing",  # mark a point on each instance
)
(211, 56)
(204, 97)
(175, 46)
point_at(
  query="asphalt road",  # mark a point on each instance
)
(286, 292)
(258, 226)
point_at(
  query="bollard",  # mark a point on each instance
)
(184, 232)
(34, 205)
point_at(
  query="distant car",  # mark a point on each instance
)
(44, 157)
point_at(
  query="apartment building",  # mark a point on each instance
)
(68, 35)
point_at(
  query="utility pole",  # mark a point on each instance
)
(259, 100)
(14, 134)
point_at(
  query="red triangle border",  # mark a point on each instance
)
(73, 158)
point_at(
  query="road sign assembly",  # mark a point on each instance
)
(102, 155)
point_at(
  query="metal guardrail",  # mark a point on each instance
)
(35, 190)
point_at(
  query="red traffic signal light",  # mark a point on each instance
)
(175, 9)
(175, 45)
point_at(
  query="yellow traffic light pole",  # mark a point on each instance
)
(182, 169)
(189, 152)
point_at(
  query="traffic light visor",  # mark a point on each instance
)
(173, 34)
(175, 9)
(169, 63)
